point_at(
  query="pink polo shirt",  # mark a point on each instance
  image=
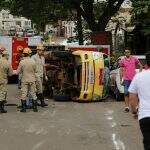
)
(129, 65)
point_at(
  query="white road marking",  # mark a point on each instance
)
(41, 131)
(53, 113)
(45, 113)
(110, 112)
(31, 129)
(113, 124)
(119, 145)
(109, 118)
(68, 132)
(38, 145)
(37, 130)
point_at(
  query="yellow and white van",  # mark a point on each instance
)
(92, 64)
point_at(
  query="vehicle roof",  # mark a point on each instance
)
(80, 52)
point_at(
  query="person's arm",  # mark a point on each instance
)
(19, 69)
(10, 71)
(44, 69)
(121, 70)
(121, 74)
(45, 74)
(133, 96)
(133, 102)
(141, 66)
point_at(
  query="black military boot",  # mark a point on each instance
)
(38, 99)
(43, 104)
(2, 104)
(34, 103)
(41, 98)
(23, 106)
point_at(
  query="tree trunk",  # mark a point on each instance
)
(79, 27)
(115, 37)
(125, 38)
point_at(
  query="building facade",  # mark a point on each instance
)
(9, 22)
(66, 29)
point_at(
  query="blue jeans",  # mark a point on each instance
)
(126, 86)
(29, 100)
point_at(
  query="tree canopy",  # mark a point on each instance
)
(97, 20)
(42, 12)
(141, 15)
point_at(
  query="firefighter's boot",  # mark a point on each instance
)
(2, 105)
(41, 98)
(23, 106)
(34, 102)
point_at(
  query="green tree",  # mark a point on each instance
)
(41, 12)
(141, 15)
(139, 39)
(45, 11)
(96, 13)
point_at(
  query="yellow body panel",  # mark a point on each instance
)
(92, 69)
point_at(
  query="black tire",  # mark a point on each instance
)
(119, 96)
(61, 97)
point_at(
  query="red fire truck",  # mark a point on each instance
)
(13, 44)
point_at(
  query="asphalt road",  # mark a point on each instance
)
(69, 126)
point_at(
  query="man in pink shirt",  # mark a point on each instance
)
(127, 72)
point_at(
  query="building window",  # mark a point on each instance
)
(5, 15)
(18, 23)
(26, 23)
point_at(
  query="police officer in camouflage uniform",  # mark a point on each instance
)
(5, 70)
(27, 67)
(40, 62)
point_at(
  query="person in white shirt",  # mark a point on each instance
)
(139, 96)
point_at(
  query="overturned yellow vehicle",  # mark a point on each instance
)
(78, 75)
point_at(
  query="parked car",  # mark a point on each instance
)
(116, 88)
(73, 41)
(30, 33)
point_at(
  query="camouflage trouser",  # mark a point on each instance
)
(27, 87)
(3, 91)
(39, 85)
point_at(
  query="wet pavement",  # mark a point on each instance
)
(69, 126)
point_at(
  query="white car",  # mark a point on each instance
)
(116, 88)
(30, 33)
